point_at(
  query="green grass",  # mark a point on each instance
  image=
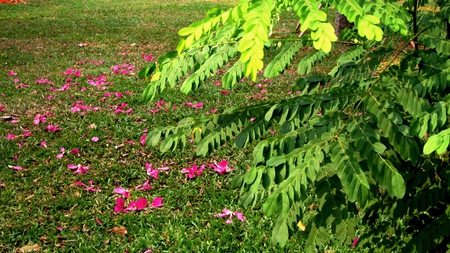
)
(46, 37)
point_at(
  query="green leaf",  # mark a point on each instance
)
(280, 234)
(398, 185)
(444, 145)
(379, 147)
(433, 143)
(275, 161)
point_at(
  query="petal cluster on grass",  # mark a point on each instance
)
(137, 205)
(152, 172)
(53, 128)
(193, 171)
(230, 214)
(73, 77)
(90, 187)
(221, 167)
(144, 187)
(15, 167)
(79, 169)
(122, 191)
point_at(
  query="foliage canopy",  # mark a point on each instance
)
(365, 143)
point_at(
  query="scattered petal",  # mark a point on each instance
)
(95, 139)
(144, 187)
(138, 205)
(12, 73)
(99, 222)
(230, 214)
(53, 128)
(193, 171)
(11, 137)
(355, 241)
(157, 202)
(142, 140)
(221, 167)
(15, 167)
(78, 168)
(120, 205)
(147, 57)
(122, 191)
(151, 171)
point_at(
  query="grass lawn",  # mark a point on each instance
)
(71, 121)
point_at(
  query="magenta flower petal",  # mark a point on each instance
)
(122, 191)
(141, 203)
(355, 241)
(157, 202)
(80, 183)
(95, 139)
(15, 167)
(151, 171)
(143, 187)
(221, 167)
(142, 140)
(240, 216)
(193, 171)
(11, 137)
(120, 205)
(99, 222)
(230, 214)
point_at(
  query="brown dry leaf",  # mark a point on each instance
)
(119, 230)
(29, 197)
(77, 194)
(119, 146)
(106, 242)
(29, 248)
(92, 126)
(35, 180)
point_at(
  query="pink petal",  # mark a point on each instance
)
(240, 216)
(15, 167)
(27, 133)
(11, 137)
(142, 141)
(199, 172)
(80, 184)
(72, 166)
(141, 203)
(124, 192)
(99, 222)
(143, 187)
(120, 205)
(95, 139)
(355, 241)
(157, 202)
(198, 105)
(131, 207)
